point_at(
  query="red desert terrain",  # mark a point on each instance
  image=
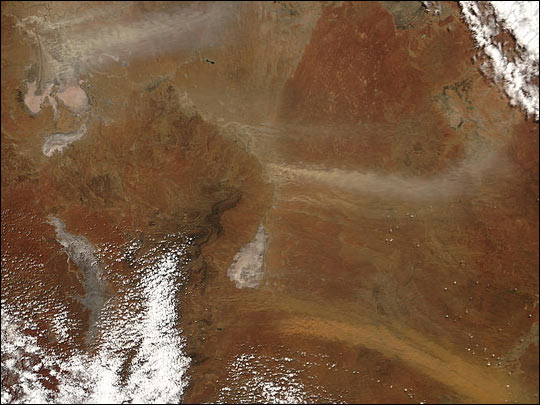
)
(268, 202)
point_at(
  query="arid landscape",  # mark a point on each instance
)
(236, 202)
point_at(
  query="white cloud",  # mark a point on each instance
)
(514, 71)
(143, 318)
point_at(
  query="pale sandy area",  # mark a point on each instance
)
(57, 142)
(74, 98)
(34, 101)
(247, 267)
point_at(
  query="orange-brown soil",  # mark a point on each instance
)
(397, 187)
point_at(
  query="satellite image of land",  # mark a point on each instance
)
(269, 202)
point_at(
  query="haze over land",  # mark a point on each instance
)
(269, 202)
